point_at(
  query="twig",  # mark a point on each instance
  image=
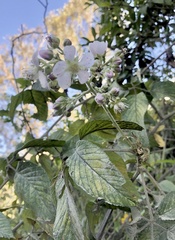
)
(153, 180)
(155, 59)
(17, 226)
(104, 223)
(45, 6)
(162, 121)
(4, 182)
(156, 110)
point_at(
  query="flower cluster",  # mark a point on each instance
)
(53, 72)
(112, 99)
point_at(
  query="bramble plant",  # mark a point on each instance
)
(91, 174)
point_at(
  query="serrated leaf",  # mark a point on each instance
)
(67, 224)
(32, 185)
(99, 125)
(93, 172)
(166, 208)
(137, 107)
(5, 229)
(163, 89)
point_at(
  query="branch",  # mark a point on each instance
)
(155, 59)
(45, 6)
(162, 121)
(104, 223)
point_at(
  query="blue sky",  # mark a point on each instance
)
(28, 12)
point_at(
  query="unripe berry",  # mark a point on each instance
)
(46, 54)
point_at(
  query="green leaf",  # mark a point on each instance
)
(75, 126)
(100, 125)
(166, 208)
(167, 186)
(32, 185)
(41, 143)
(93, 172)
(129, 188)
(30, 96)
(67, 224)
(163, 89)
(137, 107)
(38, 98)
(5, 229)
(161, 230)
(23, 82)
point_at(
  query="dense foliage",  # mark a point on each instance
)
(104, 167)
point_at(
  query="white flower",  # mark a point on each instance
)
(64, 70)
(98, 48)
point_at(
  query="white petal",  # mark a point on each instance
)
(43, 80)
(69, 53)
(83, 76)
(98, 47)
(35, 59)
(64, 80)
(87, 60)
(92, 47)
(59, 68)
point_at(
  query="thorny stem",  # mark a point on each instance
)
(148, 203)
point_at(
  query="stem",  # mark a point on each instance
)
(148, 204)
(111, 117)
(104, 223)
(153, 181)
(4, 182)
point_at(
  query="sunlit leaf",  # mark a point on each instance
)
(33, 186)
(138, 105)
(93, 172)
(67, 224)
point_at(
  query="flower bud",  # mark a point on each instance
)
(117, 60)
(51, 77)
(53, 41)
(119, 107)
(46, 54)
(67, 42)
(114, 91)
(110, 74)
(99, 98)
(59, 101)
